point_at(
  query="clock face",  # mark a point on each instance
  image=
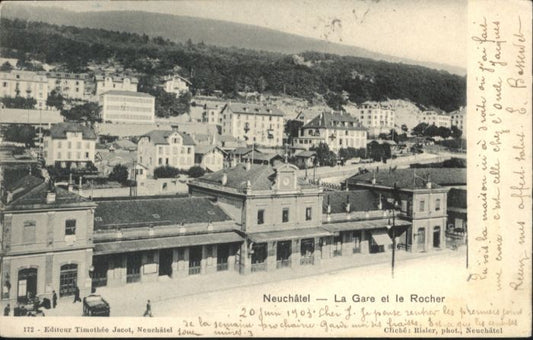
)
(286, 181)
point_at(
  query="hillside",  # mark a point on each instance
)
(211, 32)
(231, 70)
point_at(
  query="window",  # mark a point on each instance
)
(422, 205)
(308, 214)
(160, 161)
(70, 227)
(437, 204)
(86, 155)
(69, 145)
(261, 216)
(285, 215)
(78, 145)
(29, 232)
(59, 144)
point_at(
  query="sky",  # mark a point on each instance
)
(424, 30)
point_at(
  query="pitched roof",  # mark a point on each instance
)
(24, 116)
(305, 154)
(116, 78)
(261, 177)
(360, 200)
(203, 149)
(263, 156)
(245, 108)
(160, 137)
(60, 130)
(405, 178)
(34, 192)
(334, 120)
(127, 93)
(128, 130)
(23, 185)
(156, 211)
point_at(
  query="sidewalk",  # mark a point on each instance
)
(123, 298)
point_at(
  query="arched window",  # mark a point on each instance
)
(27, 284)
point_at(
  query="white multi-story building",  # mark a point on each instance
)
(338, 130)
(435, 118)
(26, 84)
(69, 85)
(106, 83)
(69, 145)
(161, 148)
(175, 84)
(127, 107)
(458, 118)
(376, 117)
(253, 123)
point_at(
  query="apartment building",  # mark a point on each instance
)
(175, 84)
(106, 83)
(26, 84)
(375, 117)
(69, 145)
(165, 148)
(336, 129)
(253, 123)
(69, 85)
(458, 118)
(438, 119)
(127, 107)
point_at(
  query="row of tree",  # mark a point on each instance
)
(426, 130)
(335, 78)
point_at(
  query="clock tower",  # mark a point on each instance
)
(285, 178)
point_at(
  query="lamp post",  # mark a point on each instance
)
(393, 229)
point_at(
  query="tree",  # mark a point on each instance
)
(335, 100)
(13, 174)
(20, 134)
(349, 152)
(6, 67)
(119, 174)
(196, 172)
(431, 131)
(419, 129)
(324, 155)
(444, 132)
(19, 102)
(55, 99)
(292, 129)
(456, 133)
(88, 111)
(166, 172)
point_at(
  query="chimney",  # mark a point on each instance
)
(428, 184)
(348, 203)
(50, 197)
(380, 203)
(329, 210)
(374, 178)
(70, 182)
(248, 165)
(224, 178)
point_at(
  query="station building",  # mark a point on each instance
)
(245, 219)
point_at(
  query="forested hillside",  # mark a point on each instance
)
(231, 69)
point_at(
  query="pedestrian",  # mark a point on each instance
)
(7, 310)
(54, 299)
(148, 309)
(76, 294)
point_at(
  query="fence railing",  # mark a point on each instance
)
(283, 263)
(307, 260)
(222, 266)
(258, 267)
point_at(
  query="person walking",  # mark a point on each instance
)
(76, 294)
(7, 310)
(54, 299)
(148, 309)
